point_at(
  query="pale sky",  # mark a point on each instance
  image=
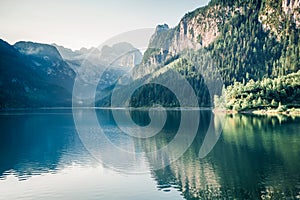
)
(85, 23)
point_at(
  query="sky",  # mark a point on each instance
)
(85, 23)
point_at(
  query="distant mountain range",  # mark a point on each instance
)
(42, 75)
(33, 75)
(244, 41)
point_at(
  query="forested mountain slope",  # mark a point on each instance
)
(245, 40)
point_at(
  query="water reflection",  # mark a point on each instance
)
(34, 143)
(255, 158)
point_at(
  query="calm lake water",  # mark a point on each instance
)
(42, 156)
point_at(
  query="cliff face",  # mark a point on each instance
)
(203, 26)
(196, 29)
(200, 27)
(275, 13)
(292, 8)
(120, 55)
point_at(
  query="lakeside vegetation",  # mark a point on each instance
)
(278, 95)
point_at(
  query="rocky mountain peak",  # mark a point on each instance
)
(195, 30)
(37, 49)
(160, 28)
(6, 48)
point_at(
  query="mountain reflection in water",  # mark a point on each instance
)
(255, 157)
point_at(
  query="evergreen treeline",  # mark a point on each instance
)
(197, 68)
(282, 93)
(245, 51)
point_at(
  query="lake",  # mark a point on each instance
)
(45, 155)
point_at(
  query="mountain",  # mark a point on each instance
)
(110, 61)
(245, 40)
(101, 68)
(246, 29)
(195, 30)
(118, 55)
(42, 75)
(66, 53)
(47, 63)
(121, 54)
(33, 75)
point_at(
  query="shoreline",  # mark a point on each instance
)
(103, 108)
(289, 112)
(262, 112)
